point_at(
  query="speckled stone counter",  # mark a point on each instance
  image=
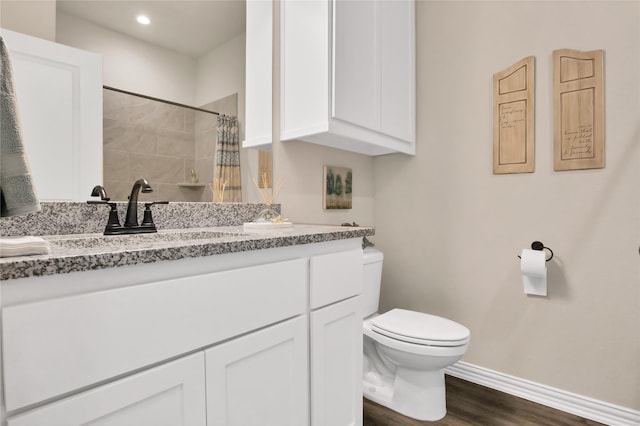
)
(80, 218)
(93, 251)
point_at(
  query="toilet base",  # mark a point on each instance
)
(417, 394)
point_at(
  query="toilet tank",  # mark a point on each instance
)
(372, 277)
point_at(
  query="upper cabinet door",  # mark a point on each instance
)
(59, 91)
(348, 74)
(397, 68)
(356, 74)
(258, 77)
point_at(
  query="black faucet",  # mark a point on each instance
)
(132, 208)
(131, 223)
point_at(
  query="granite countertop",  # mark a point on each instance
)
(84, 252)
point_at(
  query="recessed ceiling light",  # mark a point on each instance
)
(143, 20)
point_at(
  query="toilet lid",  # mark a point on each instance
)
(420, 328)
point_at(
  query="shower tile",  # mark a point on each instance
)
(156, 114)
(156, 169)
(190, 119)
(174, 118)
(204, 167)
(118, 190)
(127, 137)
(206, 122)
(174, 143)
(114, 104)
(205, 144)
(178, 193)
(115, 165)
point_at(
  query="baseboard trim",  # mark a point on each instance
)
(579, 405)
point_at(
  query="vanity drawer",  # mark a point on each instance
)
(335, 277)
(60, 345)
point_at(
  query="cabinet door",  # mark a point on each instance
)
(336, 364)
(397, 68)
(356, 73)
(374, 66)
(260, 378)
(335, 277)
(171, 394)
(258, 78)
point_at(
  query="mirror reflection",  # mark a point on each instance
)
(193, 54)
(180, 150)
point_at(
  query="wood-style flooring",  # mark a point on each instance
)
(471, 404)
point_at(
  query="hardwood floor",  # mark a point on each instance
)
(471, 404)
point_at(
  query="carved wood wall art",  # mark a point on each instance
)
(513, 118)
(578, 116)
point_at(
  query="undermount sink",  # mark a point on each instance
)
(92, 241)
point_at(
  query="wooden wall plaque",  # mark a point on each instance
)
(513, 113)
(578, 115)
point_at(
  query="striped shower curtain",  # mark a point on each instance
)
(227, 166)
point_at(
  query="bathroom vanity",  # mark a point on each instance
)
(222, 327)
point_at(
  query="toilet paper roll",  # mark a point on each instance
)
(533, 263)
(534, 272)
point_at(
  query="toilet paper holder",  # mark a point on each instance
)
(537, 245)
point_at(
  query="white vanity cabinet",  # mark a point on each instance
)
(348, 74)
(261, 337)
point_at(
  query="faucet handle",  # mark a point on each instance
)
(113, 224)
(99, 191)
(147, 220)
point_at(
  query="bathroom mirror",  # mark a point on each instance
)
(192, 54)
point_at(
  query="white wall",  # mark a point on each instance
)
(301, 166)
(36, 18)
(131, 64)
(451, 230)
(220, 73)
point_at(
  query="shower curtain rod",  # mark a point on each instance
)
(159, 100)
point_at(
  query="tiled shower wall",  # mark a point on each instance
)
(160, 142)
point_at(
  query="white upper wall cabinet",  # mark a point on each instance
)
(59, 91)
(348, 74)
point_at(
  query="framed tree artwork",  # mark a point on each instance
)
(337, 188)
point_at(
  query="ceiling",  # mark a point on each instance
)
(189, 27)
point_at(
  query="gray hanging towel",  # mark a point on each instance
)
(17, 190)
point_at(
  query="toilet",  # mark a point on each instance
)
(405, 352)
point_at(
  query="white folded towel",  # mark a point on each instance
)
(23, 246)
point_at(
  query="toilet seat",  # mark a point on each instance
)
(420, 328)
